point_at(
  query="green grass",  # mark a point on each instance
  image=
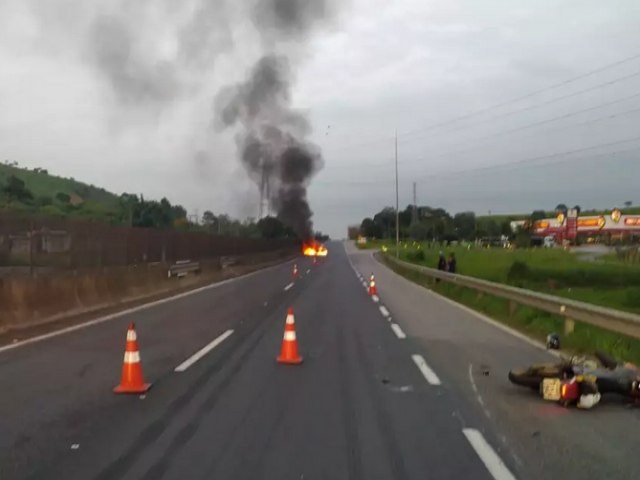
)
(554, 271)
(534, 323)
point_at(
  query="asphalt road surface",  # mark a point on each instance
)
(408, 387)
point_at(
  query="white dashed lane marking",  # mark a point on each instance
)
(383, 311)
(375, 298)
(202, 352)
(426, 371)
(398, 331)
(489, 457)
(288, 286)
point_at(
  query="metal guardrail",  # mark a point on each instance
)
(182, 268)
(573, 310)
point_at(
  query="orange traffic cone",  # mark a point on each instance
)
(295, 271)
(372, 286)
(132, 381)
(289, 353)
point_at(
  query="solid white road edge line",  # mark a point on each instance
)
(489, 457)
(139, 308)
(480, 316)
(426, 371)
(288, 286)
(475, 390)
(202, 352)
(398, 331)
(384, 311)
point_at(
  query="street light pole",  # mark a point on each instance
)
(397, 204)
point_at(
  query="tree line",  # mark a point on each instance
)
(428, 223)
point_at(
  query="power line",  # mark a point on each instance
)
(529, 95)
(509, 165)
(579, 124)
(501, 104)
(518, 129)
(533, 107)
(534, 159)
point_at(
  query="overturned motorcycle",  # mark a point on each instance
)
(580, 381)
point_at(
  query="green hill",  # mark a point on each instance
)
(53, 195)
(43, 184)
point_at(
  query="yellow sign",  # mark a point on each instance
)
(616, 214)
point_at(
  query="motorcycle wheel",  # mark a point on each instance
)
(532, 377)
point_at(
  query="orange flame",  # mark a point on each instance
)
(314, 250)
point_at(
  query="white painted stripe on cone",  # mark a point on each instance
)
(290, 320)
(131, 357)
(202, 352)
(289, 336)
(487, 454)
(288, 286)
(398, 331)
(383, 311)
(131, 336)
(426, 371)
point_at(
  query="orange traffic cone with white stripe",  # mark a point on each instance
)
(289, 353)
(295, 271)
(373, 290)
(132, 381)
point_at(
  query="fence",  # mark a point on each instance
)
(41, 244)
(607, 318)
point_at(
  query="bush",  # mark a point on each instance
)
(416, 256)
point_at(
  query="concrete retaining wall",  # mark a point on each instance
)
(27, 302)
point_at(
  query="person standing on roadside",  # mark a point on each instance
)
(452, 264)
(442, 262)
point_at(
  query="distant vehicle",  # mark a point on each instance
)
(549, 241)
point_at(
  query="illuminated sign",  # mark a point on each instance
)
(632, 221)
(541, 225)
(560, 218)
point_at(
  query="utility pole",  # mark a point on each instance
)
(397, 204)
(414, 217)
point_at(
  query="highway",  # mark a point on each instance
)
(409, 386)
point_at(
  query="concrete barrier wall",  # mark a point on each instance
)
(27, 302)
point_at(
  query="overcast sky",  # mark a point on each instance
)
(120, 93)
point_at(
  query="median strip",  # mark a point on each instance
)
(489, 457)
(426, 371)
(202, 352)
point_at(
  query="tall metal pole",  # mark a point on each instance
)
(397, 204)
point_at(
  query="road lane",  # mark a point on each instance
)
(357, 407)
(53, 389)
(473, 357)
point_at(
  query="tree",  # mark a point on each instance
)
(628, 203)
(15, 190)
(538, 215)
(386, 221)
(493, 229)
(271, 227)
(209, 220)
(369, 228)
(505, 228)
(63, 197)
(561, 207)
(464, 225)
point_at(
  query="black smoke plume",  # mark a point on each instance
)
(271, 139)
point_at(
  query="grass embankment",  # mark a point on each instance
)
(553, 271)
